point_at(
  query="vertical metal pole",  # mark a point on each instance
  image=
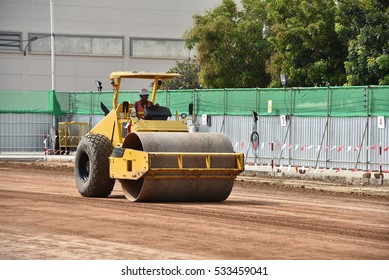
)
(381, 173)
(167, 98)
(258, 101)
(283, 143)
(258, 110)
(195, 105)
(324, 133)
(361, 145)
(224, 109)
(91, 110)
(326, 151)
(365, 133)
(286, 134)
(52, 46)
(367, 126)
(54, 123)
(69, 108)
(321, 145)
(291, 155)
(272, 158)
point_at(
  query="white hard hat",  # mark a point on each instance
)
(143, 92)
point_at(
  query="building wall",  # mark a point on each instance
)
(161, 20)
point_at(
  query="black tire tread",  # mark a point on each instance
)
(99, 184)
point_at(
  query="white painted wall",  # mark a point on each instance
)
(127, 18)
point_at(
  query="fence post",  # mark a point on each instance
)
(224, 109)
(367, 105)
(91, 109)
(325, 130)
(291, 128)
(167, 98)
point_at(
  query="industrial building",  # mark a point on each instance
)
(92, 39)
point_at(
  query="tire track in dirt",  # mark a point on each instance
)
(216, 211)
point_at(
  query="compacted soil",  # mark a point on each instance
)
(44, 217)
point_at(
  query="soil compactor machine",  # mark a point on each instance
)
(154, 159)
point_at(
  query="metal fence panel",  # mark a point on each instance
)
(24, 132)
(315, 142)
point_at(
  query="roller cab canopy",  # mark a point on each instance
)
(143, 75)
(116, 77)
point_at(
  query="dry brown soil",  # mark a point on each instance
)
(44, 217)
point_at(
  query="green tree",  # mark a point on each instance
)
(364, 26)
(189, 79)
(304, 43)
(231, 47)
(313, 42)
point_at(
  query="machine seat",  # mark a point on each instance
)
(157, 113)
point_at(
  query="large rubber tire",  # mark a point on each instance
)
(91, 166)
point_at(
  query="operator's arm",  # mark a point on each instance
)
(133, 110)
(152, 106)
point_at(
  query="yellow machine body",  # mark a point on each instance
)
(134, 164)
(112, 125)
(159, 160)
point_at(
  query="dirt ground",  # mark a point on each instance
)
(44, 217)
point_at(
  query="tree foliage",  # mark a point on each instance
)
(304, 43)
(364, 27)
(189, 79)
(232, 50)
(313, 42)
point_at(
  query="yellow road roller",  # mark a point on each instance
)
(154, 158)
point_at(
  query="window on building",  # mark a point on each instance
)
(10, 41)
(78, 45)
(159, 48)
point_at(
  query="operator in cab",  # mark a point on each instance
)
(140, 105)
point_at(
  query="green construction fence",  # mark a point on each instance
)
(304, 102)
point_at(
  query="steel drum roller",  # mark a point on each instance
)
(178, 186)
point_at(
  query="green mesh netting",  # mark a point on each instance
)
(304, 102)
(42, 102)
(240, 100)
(176, 100)
(273, 102)
(85, 103)
(347, 102)
(379, 101)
